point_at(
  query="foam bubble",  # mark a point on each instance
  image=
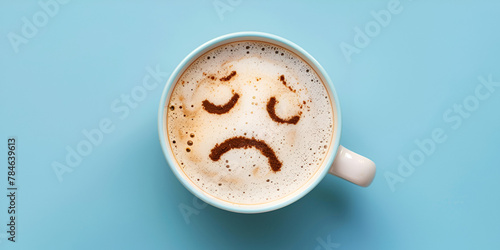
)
(255, 72)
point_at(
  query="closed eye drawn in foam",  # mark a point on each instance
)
(272, 113)
(220, 109)
(271, 109)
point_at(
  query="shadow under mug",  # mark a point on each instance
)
(339, 161)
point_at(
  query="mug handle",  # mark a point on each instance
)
(353, 167)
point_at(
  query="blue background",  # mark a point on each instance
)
(124, 196)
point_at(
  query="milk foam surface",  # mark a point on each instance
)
(262, 71)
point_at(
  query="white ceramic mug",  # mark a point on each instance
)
(340, 161)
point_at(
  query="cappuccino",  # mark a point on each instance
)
(249, 122)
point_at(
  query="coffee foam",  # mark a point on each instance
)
(255, 72)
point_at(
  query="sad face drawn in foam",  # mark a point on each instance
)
(249, 122)
(243, 142)
(242, 107)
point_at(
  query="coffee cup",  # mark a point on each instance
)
(250, 122)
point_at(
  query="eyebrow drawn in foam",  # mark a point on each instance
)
(228, 77)
(220, 109)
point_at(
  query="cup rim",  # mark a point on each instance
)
(241, 36)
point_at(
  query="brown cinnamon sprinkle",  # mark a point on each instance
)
(272, 113)
(282, 79)
(228, 77)
(242, 142)
(220, 109)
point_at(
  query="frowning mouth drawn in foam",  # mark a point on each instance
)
(238, 142)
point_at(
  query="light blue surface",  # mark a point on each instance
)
(124, 196)
(231, 38)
